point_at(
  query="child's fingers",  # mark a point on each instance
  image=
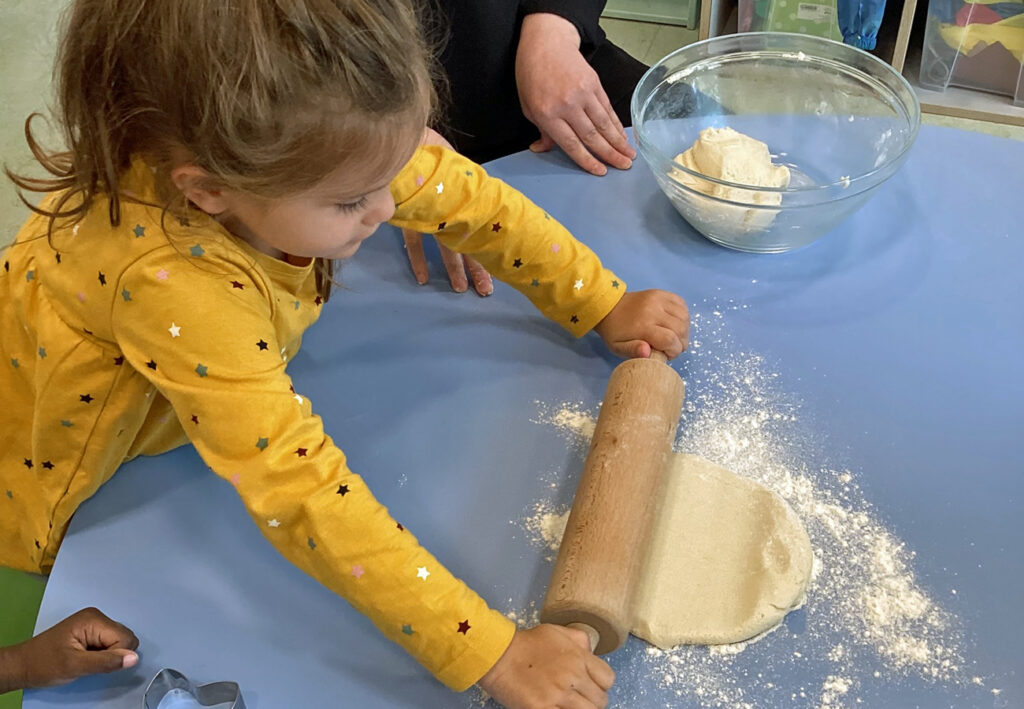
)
(456, 268)
(93, 629)
(482, 282)
(575, 700)
(417, 259)
(665, 340)
(590, 691)
(91, 662)
(601, 672)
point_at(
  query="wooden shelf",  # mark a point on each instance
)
(666, 12)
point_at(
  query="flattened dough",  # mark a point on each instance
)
(728, 559)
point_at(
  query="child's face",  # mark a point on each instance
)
(330, 220)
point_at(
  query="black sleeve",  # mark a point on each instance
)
(585, 14)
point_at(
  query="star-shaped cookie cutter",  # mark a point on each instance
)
(207, 695)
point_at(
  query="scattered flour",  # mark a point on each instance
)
(867, 623)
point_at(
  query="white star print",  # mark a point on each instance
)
(422, 573)
(440, 187)
(175, 330)
(75, 230)
(273, 523)
(578, 284)
(284, 354)
(298, 398)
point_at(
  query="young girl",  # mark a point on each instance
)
(220, 154)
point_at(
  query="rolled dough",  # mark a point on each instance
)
(727, 559)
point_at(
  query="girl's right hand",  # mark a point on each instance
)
(549, 667)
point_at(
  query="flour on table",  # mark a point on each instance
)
(868, 624)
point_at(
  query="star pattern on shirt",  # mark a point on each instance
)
(197, 250)
(464, 626)
(195, 419)
(319, 300)
(301, 452)
(10, 495)
(534, 283)
(555, 248)
(578, 285)
(139, 231)
(342, 490)
(358, 571)
(175, 330)
(311, 543)
(47, 465)
(15, 363)
(496, 227)
(28, 463)
(406, 629)
(201, 370)
(66, 423)
(162, 274)
(42, 353)
(262, 344)
(151, 364)
(103, 279)
(30, 275)
(81, 297)
(126, 294)
(273, 523)
(439, 187)
(615, 284)
(57, 256)
(298, 398)
(518, 263)
(441, 226)
(262, 443)
(85, 398)
(422, 573)
(574, 319)
(119, 360)
(237, 285)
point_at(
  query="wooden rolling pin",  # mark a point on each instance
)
(599, 560)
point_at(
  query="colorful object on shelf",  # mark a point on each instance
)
(976, 45)
(810, 17)
(859, 21)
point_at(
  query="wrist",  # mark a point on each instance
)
(12, 668)
(547, 26)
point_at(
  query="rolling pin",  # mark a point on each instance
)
(599, 561)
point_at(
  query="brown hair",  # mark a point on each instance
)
(267, 96)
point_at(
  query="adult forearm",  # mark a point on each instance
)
(584, 14)
(12, 669)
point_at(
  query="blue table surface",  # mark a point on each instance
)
(900, 335)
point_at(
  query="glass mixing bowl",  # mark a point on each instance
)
(840, 119)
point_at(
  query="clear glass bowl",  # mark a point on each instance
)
(840, 119)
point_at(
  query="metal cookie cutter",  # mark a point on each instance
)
(167, 681)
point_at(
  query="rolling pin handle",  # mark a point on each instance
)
(592, 634)
(659, 356)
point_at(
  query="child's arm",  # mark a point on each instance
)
(443, 193)
(201, 329)
(85, 643)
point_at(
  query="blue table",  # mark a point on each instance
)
(899, 337)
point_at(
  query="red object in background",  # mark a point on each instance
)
(977, 14)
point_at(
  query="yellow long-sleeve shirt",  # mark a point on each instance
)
(127, 341)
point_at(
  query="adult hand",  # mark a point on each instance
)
(562, 95)
(460, 268)
(549, 666)
(85, 643)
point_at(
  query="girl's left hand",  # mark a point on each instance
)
(461, 269)
(644, 321)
